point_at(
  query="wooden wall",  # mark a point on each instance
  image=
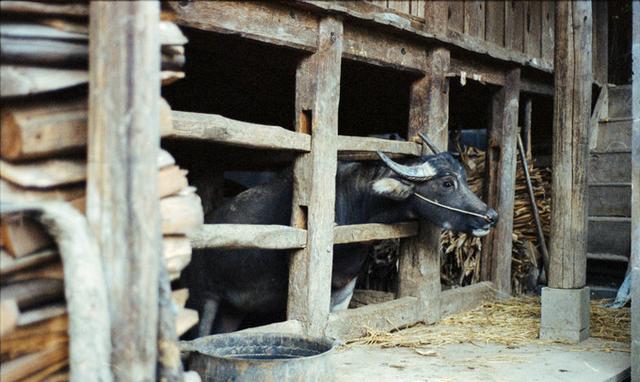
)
(522, 26)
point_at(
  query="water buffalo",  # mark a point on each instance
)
(227, 286)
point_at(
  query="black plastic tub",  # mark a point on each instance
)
(269, 357)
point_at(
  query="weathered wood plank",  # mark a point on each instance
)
(635, 202)
(548, 27)
(514, 25)
(216, 128)
(501, 167)
(242, 236)
(572, 112)
(380, 48)
(354, 323)
(270, 22)
(403, 6)
(124, 141)
(370, 232)
(476, 71)
(600, 40)
(533, 26)
(494, 15)
(354, 144)
(419, 259)
(28, 80)
(36, 7)
(461, 299)
(474, 18)
(436, 16)
(456, 16)
(317, 99)
(418, 10)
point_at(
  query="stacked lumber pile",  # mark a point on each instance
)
(461, 252)
(43, 139)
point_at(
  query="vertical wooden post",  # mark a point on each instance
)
(317, 99)
(501, 167)
(635, 202)
(565, 302)
(600, 42)
(124, 89)
(419, 263)
(572, 112)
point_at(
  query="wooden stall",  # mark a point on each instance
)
(507, 45)
(407, 37)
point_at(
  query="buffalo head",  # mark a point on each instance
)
(435, 189)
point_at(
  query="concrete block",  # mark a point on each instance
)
(565, 314)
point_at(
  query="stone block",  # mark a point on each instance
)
(565, 314)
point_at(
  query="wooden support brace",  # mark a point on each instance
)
(499, 191)
(123, 145)
(419, 263)
(317, 98)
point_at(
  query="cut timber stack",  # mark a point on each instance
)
(609, 238)
(43, 131)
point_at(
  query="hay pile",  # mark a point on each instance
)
(513, 322)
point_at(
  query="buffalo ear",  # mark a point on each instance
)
(392, 188)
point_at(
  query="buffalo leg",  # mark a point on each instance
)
(340, 298)
(209, 311)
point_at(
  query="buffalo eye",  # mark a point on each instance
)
(447, 184)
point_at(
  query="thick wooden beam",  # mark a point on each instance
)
(216, 128)
(386, 316)
(572, 112)
(462, 299)
(242, 236)
(635, 201)
(499, 192)
(123, 145)
(395, 314)
(291, 25)
(317, 98)
(370, 232)
(268, 22)
(348, 144)
(382, 49)
(419, 262)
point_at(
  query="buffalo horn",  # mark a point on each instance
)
(426, 140)
(414, 173)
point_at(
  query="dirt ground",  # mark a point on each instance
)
(472, 362)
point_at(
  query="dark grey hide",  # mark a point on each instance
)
(232, 285)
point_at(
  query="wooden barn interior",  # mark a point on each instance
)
(106, 103)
